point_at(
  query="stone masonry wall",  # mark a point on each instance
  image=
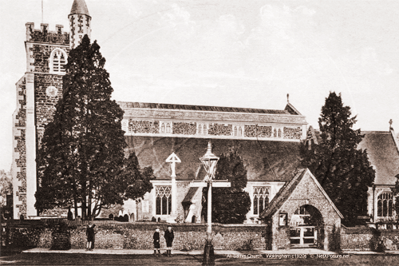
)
(353, 238)
(117, 235)
(41, 55)
(45, 100)
(143, 126)
(359, 239)
(308, 193)
(20, 148)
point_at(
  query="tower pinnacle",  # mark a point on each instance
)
(79, 7)
(79, 20)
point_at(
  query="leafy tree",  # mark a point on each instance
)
(5, 186)
(343, 171)
(229, 204)
(81, 159)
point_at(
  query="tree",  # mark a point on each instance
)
(229, 205)
(81, 159)
(5, 187)
(343, 171)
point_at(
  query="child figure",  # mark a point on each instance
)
(156, 242)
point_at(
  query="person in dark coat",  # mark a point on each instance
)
(169, 236)
(90, 237)
(70, 215)
(157, 244)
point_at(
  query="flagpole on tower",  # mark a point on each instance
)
(42, 11)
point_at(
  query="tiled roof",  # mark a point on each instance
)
(190, 194)
(291, 109)
(199, 108)
(283, 194)
(79, 7)
(264, 160)
(383, 154)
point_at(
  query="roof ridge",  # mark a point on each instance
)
(374, 131)
(395, 140)
(291, 109)
(200, 107)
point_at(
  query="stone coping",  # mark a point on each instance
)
(192, 252)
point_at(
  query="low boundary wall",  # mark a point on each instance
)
(120, 235)
(353, 238)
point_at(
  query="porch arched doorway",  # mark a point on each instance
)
(307, 228)
(131, 217)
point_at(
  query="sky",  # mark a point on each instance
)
(238, 53)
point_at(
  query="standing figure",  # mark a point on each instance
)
(157, 243)
(90, 237)
(169, 235)
(70, 215)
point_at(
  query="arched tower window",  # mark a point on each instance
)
(58, 60)
(385, 205)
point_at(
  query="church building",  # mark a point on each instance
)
(383, 151)
(267, 140)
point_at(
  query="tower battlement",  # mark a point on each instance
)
(43, 35)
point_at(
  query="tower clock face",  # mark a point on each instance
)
(51, 91)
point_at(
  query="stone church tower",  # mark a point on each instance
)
(79, 21)
(37, 94)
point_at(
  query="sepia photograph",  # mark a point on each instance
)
(199, 132)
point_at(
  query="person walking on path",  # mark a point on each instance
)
(157, 244)
(169, 235)
(90, 237)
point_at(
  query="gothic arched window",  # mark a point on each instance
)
(385, 205)
(239, 132)
(260, 199)
(58, 60)
(163, 202)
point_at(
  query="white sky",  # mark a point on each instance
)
(239, 53)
